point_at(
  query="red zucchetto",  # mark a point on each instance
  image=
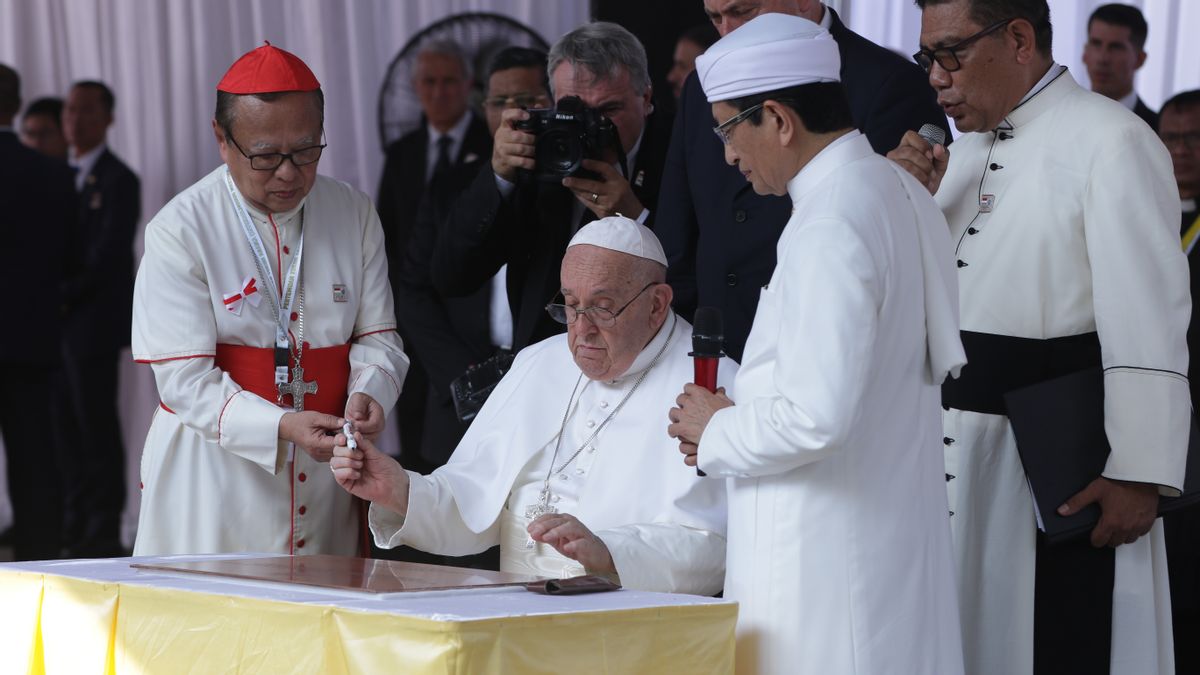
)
(268, 70)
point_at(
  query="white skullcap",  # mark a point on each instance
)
(621, 234)
(768, 53)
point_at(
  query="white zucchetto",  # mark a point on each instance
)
(621, 234)
(768, 53)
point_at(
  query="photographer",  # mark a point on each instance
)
(521, 212)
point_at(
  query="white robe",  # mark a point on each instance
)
(663, 525)
(839, 541)
(1083, 237)
(214, 476)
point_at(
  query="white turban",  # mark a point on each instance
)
(768, 53)
(621, 234)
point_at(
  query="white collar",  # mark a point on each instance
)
(1187, 205)
(826, 17)
(456, 132)
(1129, 100)
(1052, 72)
(87, 160)
(631, 158)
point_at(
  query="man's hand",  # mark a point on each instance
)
(512, 149)
(696, 408)
(924, 161)
(369, 474)
(309, 430)
(365, 414)
(571, 538)
(609, 195)
(1127, 510)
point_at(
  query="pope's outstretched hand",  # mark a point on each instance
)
(369, 474)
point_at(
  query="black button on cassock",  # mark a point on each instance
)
(971, 230)
(739, 216)
(962, 264)
(731, 279)
(947, 440)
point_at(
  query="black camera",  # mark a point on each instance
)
(566, 135)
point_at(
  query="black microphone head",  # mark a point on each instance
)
(934, 134)
(708, 332)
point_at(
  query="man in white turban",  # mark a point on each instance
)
(566, 466)
(839, 538)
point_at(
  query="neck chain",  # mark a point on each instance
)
(543, 505)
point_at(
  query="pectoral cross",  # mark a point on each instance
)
(297, 388)
(535, 511)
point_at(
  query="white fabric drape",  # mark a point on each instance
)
(163, 60)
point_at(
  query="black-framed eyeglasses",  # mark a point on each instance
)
(1190, 140)
(525, 101)
(722, 130)
(947, 57)
(599, 316)
(269, 161)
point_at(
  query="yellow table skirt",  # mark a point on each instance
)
(57, 624)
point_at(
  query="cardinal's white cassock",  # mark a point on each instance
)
(663, 525)
(839, 539)
(1066, 222)
(214, 476)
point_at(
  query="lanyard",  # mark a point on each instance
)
(1190, 236)
(281, 306)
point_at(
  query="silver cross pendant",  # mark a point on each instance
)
(297, 388)
(535, 511)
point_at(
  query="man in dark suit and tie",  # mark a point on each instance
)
(39, 215)
(99, 300)
(1114, 51)
(450, 334)
(510, 217)
(718, 234)
(1179, 128)
(420, 166)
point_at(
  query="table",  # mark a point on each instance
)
(102, 616)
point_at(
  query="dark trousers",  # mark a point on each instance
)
(92, 456)
(34, 480)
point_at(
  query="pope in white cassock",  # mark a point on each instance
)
(566, 466)
(263, 307)
(1064, 208)
(839, 538)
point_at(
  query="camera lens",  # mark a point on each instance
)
(558, 152)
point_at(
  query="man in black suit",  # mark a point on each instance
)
(1115, 50)
(510, 217)
(99, 300)
(41, 128)
(1179, 128)
(450, 334)
(718, 234)
(419, 167)
(39, 215)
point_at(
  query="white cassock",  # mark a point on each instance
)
(1082, 237)
(839, 541)
(214, 476)
(663, 525)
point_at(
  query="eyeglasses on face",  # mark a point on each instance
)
(947, 57)
(269, 161)
(1190, 140)
(600, 317)
(517, 101)
(723, 129)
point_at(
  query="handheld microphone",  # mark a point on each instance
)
(933, 134)
(708, 332)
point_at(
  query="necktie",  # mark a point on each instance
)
(442, 166)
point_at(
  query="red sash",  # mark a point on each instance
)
(253, 368)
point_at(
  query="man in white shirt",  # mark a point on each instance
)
(263, 307)
(1066, 218)
(566, 467)
(839, 546)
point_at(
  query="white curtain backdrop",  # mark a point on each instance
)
(163, 59)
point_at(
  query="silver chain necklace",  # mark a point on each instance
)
(543, 506)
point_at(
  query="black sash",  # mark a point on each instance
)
(1072, 620)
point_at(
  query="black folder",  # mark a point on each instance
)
(1059, 429)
